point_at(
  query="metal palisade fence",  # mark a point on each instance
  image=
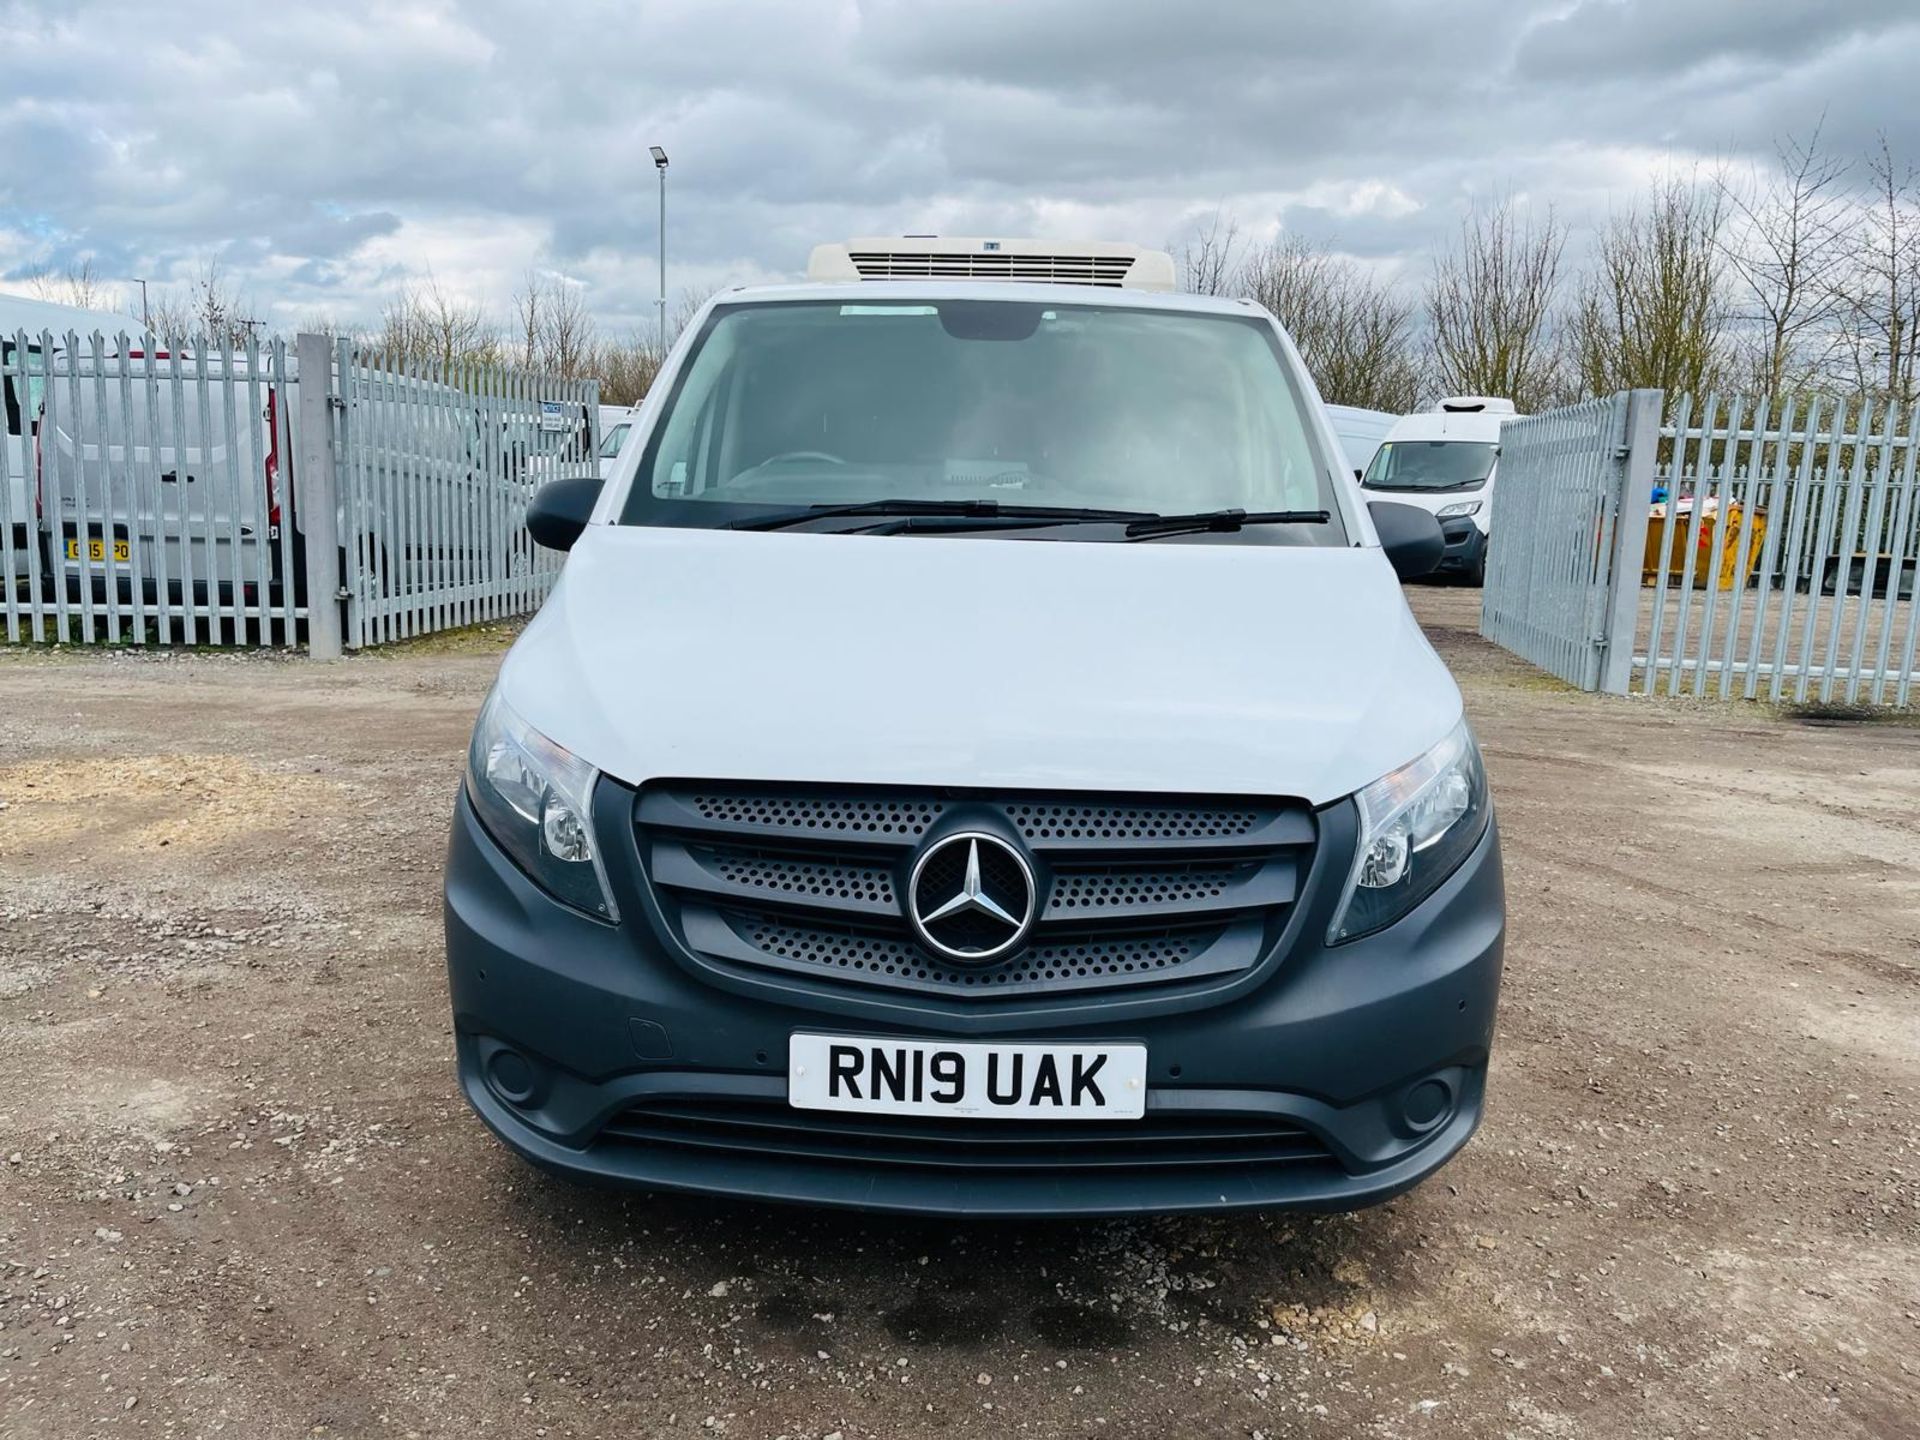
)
(208, 494)
(1780, 559)
(1559, 529)
(143, 494)
(1760, 550)
(437, 465)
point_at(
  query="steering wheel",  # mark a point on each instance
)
(785, 455)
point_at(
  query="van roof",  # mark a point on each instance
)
(18, 313)
(1098, 264)
(869, 292)
(1444, 424)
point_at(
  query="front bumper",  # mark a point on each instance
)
(592, 1050)
(1466, 547)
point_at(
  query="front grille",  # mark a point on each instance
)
(877, 959)
(766, 1129)
(1103, 270)
(1130, 890)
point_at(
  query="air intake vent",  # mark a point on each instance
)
(1035, 269)
(1030, 262)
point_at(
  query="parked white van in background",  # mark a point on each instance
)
(1361, 431)
(20, 394)
(1444, 460)
(616, 423)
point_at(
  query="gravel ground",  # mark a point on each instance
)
(239, 1195)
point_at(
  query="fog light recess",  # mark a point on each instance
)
(1427, 1104)
(510, 1076)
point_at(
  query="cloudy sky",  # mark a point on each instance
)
(324, 152)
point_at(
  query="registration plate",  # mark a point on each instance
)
(97, 550)
(944, 1077)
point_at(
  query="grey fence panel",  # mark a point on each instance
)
(22, 376)
(437, 464)
(1798, 529)
(141, 492)
(152, 494)
(1554, 536)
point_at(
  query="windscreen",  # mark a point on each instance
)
(829, 403)
(21, 408)
(1430, 465)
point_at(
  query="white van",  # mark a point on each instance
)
(616, 424)
(1360, 430)
(1445, 460)
(187, 474)
(24, 325)
(20, 391)
(978, 760)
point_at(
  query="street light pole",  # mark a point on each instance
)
(660, 164)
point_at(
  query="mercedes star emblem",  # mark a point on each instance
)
(971, 897)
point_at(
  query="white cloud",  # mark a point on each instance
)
(326, 152)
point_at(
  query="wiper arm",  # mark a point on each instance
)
(1016, 517)
(956, 509)
(1221, 520)
(780, 519)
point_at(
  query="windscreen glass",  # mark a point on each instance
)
(1024, 404)
(1430, 465)
(611, 442)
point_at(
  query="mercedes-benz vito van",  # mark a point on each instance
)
(978, 760)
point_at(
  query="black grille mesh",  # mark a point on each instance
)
(770, 1130)
(826, 814)
(1090, 960)
(1112, 889)
(802, 878)
(1129, 889)
(1130, 822)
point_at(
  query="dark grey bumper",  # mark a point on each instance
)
(593, 1051)
(1466, 547)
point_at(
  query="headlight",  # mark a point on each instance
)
(1459, 507)
(1417, 825)
(536, 800)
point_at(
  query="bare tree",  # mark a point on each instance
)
(1353, 330)
(1785, 245)
(554, 327)
(77, 285)
(1654, 312)
(209, 308)
(322, 322)
(425, 323)
(1209, 262)
(626, 368)
(1880, 294)
(567, 344)
(1490, 305)
(527, 310)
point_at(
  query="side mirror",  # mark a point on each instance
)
(1410, 536)
(560, 511)
(1359, 474)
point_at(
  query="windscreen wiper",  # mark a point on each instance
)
(1202, 521)
(957, 509)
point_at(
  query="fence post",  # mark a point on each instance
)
(316, 500)
(1639, 454)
